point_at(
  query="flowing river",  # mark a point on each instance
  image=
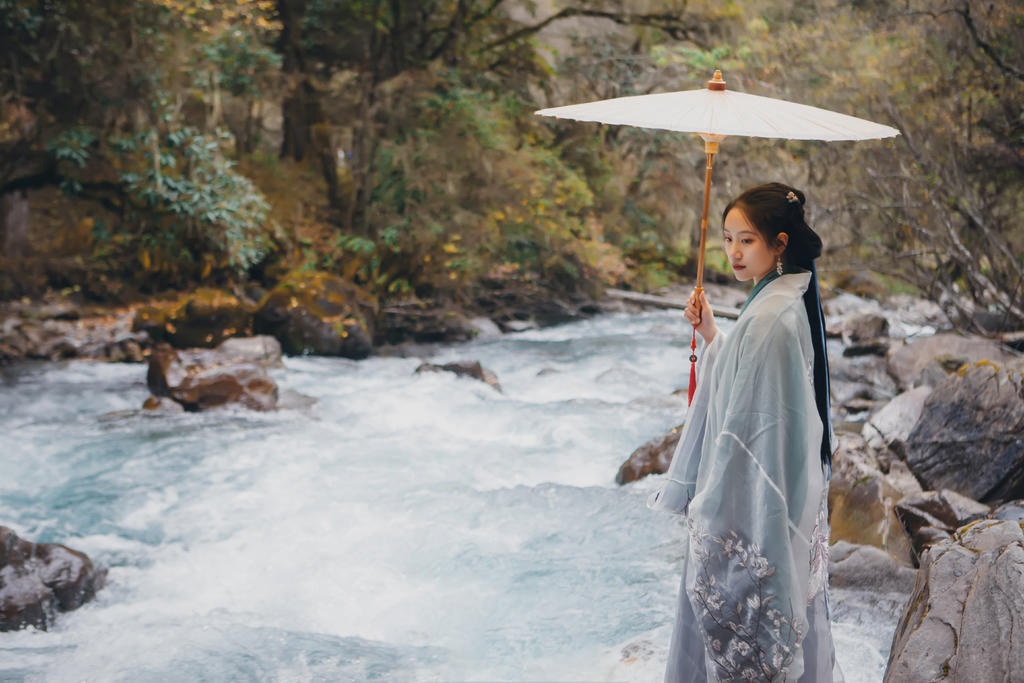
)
(406, 528)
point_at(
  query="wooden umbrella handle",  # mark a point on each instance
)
(710, 150)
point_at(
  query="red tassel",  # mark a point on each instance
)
(693, 366)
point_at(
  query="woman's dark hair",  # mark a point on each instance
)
(773, 208)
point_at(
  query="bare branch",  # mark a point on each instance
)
(990, 52)
(667, 22)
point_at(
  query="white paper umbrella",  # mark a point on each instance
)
(715, 113)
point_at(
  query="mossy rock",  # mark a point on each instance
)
(201, 319)
(315, 313)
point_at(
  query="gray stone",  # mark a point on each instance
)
(907, 362)
(865, 567)
(261, 349)
(37, 580)
(970, 437)
(484, 328)
(864, 326)
(890, 426)
(1011, 512)
(964, 619)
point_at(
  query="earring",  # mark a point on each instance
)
(778, 265)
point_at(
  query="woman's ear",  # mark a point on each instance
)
(782, 240)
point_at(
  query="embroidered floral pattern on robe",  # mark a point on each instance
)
(750, 633)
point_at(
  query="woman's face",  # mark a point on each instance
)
(749, 254)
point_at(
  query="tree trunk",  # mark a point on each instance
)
(364, 139)
(14, 223)
(327, 154)
(300, 109)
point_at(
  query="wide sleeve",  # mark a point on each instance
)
(680, 481)
(752, 516)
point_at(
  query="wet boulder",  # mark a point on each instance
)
(201, 319)
(970, 437)
(318, 314)
(203, 379)
(471, 369)
(964, 619)
(653, 457)
(423, 324)
(38, 580)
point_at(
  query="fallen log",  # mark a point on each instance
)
(667, 302)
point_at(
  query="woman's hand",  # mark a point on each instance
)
(698, 312)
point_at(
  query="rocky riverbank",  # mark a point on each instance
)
(308, 313)
(928, 481)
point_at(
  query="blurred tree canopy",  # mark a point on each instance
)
(163, 143)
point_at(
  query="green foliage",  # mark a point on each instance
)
(449, 180)
(189, 198)
(470, 188)
(241, 61)
(72, 145)
(188, 211)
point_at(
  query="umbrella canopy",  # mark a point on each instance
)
(724, 112)
(716, 113)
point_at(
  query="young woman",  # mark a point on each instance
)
(751, 469)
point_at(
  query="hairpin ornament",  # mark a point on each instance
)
(791, 197)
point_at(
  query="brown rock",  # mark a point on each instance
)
(653, 457)
(37, 580)
(945, 509)
(163, 404)
(862, 502)
(199, 380)
(247, 385)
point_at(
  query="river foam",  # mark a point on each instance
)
(408, 527)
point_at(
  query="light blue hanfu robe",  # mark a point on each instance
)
(747, 474)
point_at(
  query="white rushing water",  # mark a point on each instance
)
(408, 527)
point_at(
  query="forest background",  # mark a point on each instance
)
(157, 146)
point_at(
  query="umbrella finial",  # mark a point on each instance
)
(716, 82)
